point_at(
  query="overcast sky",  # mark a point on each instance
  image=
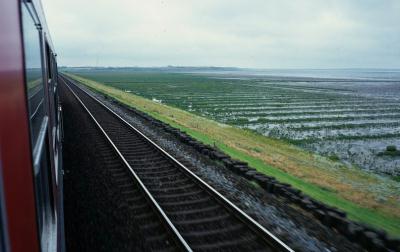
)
(247, 33)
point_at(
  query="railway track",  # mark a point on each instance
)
(195, 216)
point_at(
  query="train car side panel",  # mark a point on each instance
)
(19, 205)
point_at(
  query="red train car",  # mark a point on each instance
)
(31, 203)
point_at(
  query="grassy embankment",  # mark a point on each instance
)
(323, 179)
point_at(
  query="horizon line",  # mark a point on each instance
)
(238, 67)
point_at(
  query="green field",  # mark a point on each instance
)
(202, 106)
(329, 117)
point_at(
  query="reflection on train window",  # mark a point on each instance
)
(34, 76)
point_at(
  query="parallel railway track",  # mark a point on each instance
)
(194, 215)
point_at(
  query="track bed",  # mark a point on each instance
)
(195, 216)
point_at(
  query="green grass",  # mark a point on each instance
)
(213, 134)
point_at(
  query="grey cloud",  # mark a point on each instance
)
(258, 33)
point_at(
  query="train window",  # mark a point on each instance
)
(33, 73)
